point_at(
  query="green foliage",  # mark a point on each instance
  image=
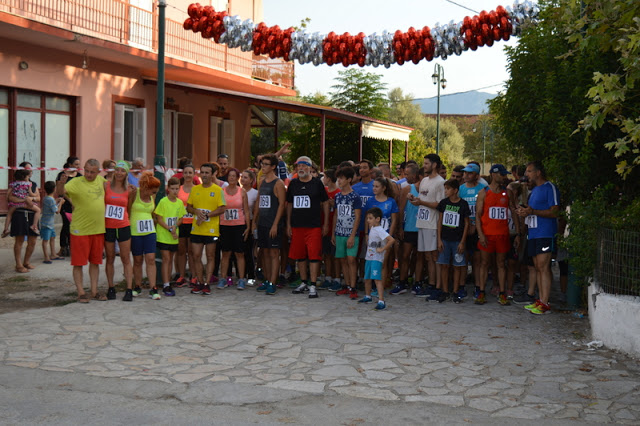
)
(360, 92)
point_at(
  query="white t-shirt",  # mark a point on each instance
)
(431, 190)
(252, 196)
(377, 235)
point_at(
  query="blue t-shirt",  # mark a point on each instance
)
(411, 212)
(345, 209)
(49, 210)
(133, 180)
(470, 195)
(543, 197)
(389, 206)
(365, 191)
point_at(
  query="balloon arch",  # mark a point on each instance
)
(376, 49)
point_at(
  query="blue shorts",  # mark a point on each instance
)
(450, 254)
(373, 270)
(143, 244)
(47, 233)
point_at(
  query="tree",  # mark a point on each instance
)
(360, 92)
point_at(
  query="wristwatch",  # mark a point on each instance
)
(171, 229)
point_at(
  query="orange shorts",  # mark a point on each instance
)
(306, 244)
(496, 244)
(87, 249)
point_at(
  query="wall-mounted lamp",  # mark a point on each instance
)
(85, 60)
(23, 65)
(220, 108)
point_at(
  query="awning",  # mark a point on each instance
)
(385, 132)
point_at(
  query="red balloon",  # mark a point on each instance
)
(493, 18)
(188, 24)
(489, 42)
(496, 34)
(192, 10)
(361, 61)
(506, 35)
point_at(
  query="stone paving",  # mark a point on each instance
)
(499, 361)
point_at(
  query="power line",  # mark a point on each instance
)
(462, 6)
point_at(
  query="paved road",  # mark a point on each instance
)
(243, 357)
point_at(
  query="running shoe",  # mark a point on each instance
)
(213, 279)
(380, 306)
(229, 282)
(221, 284)
(476, 292)
(181, 282)
(241, 284)
(343, 291)
(533, 305)
(168, 291)
(481, 299)
(353, 294)
(197, 288)
(206, 290)
(153, 294)
(416, 289)
(443, 297)
(524, 299)
(462, 292)
(541, 309)
(271, 289)
(502, 299)
(374, 293)
(495, 290)
(263, 286)
(326, 285)
(399, 289)
(128, 296)
(301, 289)
(137, 291)
(111, 293)
(335, 286)
(366, 299)
(313, 294)
(422, 292)
(193, 282)
(282, 281)
(456, 299)
(435, 295)
(259, 274)
(509, 294)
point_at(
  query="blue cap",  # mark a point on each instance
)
(499, 168)
(471, 167)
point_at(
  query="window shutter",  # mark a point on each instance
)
(228, 146)
(140, 142)
(118, 132)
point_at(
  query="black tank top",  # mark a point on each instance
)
(267, 203)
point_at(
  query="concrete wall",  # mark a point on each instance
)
(615, 320)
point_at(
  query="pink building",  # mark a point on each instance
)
(78, 77)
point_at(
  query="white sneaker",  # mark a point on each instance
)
(302, 288)
(313, 294)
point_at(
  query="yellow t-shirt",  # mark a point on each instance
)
(88, 205)
(170, 212)
(207, 199)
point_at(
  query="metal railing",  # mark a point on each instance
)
(118, 21)
(618, 265)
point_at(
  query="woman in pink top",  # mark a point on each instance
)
(184, 247)
(235, 224)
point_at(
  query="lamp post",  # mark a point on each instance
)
(159, 161)
(438, 79)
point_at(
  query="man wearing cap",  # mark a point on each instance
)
(541, 220)
(469, 192)
(492, 224)
(307, 206)
(87, 225)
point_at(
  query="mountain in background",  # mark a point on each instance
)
(468, 103)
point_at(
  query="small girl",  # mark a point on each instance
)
(21, 188)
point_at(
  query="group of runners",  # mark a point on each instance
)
(366, 229)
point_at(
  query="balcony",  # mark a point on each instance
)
(119, 22)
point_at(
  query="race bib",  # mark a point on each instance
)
(512, 224)
(301, 202)
(498, 213)
(423, 213)
(344, 210)
(171, 221)
(231, 214)
(206, 212)
(451, 219)
(265, 202)
(145, 226)
(188, 216)
(385, 223)
(531, 221)
(114, 212)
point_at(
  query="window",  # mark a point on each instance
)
(221, 138)
(4, 136)
(129, 132)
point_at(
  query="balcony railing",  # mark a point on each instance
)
(120, 22)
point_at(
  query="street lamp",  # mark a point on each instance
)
(438, 79)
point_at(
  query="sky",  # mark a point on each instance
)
(485, 67)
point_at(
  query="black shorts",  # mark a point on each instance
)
(265, 241)
(327, 247)
(21, 223)
(167, 247)
(472, 243)
(112, 235)
(541, 246)
(411, 238)
(232, 238)
(203, 239)
(184, 230)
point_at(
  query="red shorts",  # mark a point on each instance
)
(496, 244)
(87, 249)
(306, 243)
